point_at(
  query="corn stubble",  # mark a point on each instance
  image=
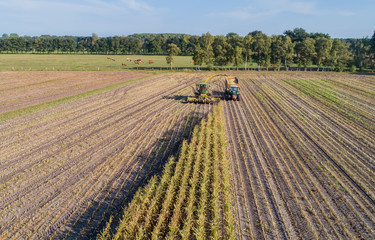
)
(191, 199)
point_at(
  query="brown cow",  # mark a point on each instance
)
(123, 64)
(113, 59)
(151, 62)
(108, 58)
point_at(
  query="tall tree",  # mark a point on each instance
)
(93, 39)
(247, 43)
(206, 43)
(262, 48)
(289, 51)
(297, 35)
(339, 56)
(237, 56)
(235, 45)
(361, 51)
(278, 51)
(173, 50)
(307, 52)
(198, 56)
(220, 48)
(323, 47)
(185, 44)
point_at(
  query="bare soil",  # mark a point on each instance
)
(66, 169)
(301, 147)
(23, 89)
(302, 166)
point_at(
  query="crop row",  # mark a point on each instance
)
(64, 169)
(191, 199)
(301, 168)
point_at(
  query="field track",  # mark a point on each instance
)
(301, 147)
(66, 169)
(302, 152)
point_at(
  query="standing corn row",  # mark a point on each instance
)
(192, 199)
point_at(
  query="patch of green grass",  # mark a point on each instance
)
(44, 105)
(78, 62)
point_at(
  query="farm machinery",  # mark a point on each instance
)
(203, 93)
(232, 90)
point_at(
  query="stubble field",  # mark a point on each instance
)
(301, 148)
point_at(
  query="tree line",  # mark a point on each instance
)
(294, 47)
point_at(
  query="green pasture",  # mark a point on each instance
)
(76, 62)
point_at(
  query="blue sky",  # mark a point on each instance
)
(341, 19)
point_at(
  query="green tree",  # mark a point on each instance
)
(220, 49)
(94, 38)
(235, 45)
(156, 44)
(198, 56)
(173, 50)
(307, 52)
(247, 43)
(361, 52)
(323, 47)
(13, 35)
(206, 44)
(277, 51)
(297, 35)
(339, 55)
(114, 44)
(289, 51)
(185, 44)
(262, 48)
(237, 56)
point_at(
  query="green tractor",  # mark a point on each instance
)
(202, 94)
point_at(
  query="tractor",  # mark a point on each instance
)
(203, 94)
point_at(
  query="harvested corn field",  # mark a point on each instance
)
(64, 169)
(300, 147)
(23, 89)
(192, 199)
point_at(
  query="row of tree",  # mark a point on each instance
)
(276, 51)
(293, 47)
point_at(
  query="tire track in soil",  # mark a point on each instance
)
(285, 153)
(329, 213)
(263, 195)
(355, 221)
(349, 146)
(46, 218)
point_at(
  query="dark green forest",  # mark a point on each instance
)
(293, 48)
